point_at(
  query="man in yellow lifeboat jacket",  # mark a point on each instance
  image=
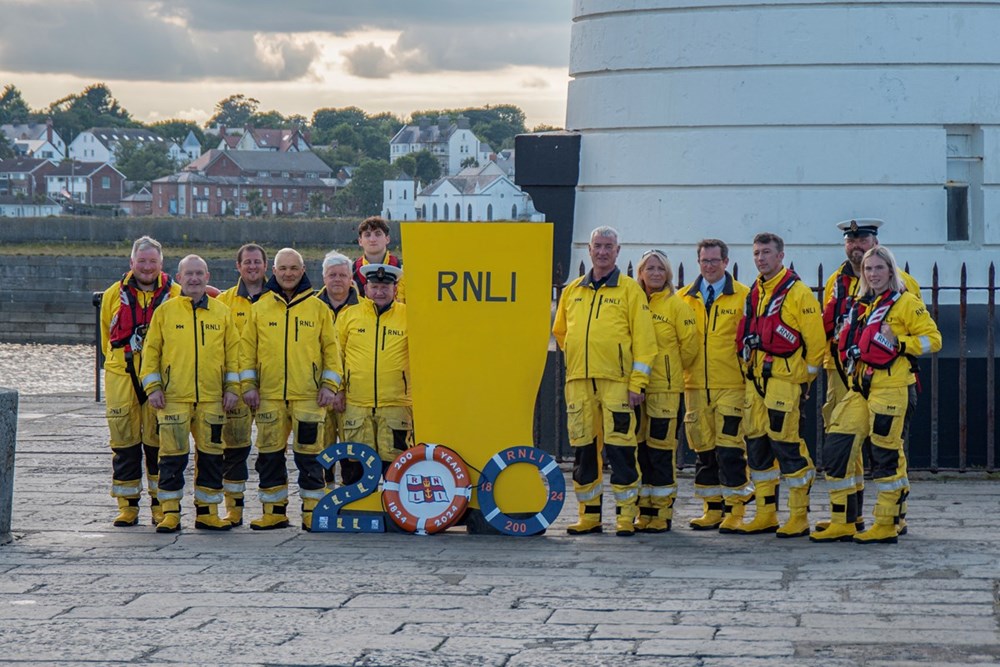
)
(189, 370)
(251, 264)
(781, 341)
(604, 328)
(127, 308)
(291, 371)
(374, 344)
(714, 392)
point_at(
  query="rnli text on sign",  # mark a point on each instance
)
(476, 286)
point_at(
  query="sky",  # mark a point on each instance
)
(176, 59)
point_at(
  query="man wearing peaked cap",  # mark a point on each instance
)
(847, 499)
(381, 273)
(376, 403)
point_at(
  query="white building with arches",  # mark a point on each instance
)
(475, 194)
(399, 198)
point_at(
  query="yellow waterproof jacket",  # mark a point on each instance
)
(799, 310)
(288, 348)
(717, 365)
(376, 352)
(239, 302)
(850, 281)
(114, 359)
(676, 341)
(191, 353)
(606, 332)
(917, 334)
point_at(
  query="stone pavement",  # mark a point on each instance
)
(74, 590)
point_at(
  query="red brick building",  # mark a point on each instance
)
(237, 182)
(85, 182)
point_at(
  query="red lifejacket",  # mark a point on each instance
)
(128, 326)
(360, 280)
(865, 333)
(768, 332)
(839, 306)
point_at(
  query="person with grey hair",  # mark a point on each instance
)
(126, 310)
(604, 327)
(338, 293)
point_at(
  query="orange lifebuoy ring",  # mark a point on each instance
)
(426, 489)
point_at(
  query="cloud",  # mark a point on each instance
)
(473, 49)
(136, 41)
(260, 40)
(534, 82)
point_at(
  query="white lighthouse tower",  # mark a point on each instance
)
(726, 119)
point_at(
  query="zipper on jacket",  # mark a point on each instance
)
(600, 302)
(284, 389)
(378, 318)
(194, 318)
(708, 317)
(586, 340)
(666, 363)
(621, 361)
(296, 328)
(405, 387)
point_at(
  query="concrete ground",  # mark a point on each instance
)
(74, 590)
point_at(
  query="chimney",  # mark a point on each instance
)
(463, 123)
(222, 131)
(443, 123)
(424, 122)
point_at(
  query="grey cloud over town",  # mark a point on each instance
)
(253, 40)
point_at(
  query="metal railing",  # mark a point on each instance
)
(945, 400)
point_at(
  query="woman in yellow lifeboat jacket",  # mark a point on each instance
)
(677, 348)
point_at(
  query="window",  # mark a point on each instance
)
(404, 195)
(446, 210)
(469, 213)
(218, 192)
(513, 212)
(105, 182)
(269, 192)
(489, 212)
(434, 212)
(964, 185)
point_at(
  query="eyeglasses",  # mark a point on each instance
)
(715, 261)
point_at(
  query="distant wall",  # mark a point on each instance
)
(217, 231)
(48, 299)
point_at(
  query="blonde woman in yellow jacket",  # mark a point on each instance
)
(677, 345)
(885, 330)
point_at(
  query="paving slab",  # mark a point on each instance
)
(74, 590)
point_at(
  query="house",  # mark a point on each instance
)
(191, 147)
(38, 140)
(257, 139)
(476, 194)
(138, 203)
(93, 183)
(235, 182)
(399, 200)
(451, 143)
(17, 206)
(100, 144)
(24, 177)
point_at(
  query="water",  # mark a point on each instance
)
(47, 369)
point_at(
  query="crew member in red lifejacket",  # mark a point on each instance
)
(860, 236)
(781, 343)
(126, 310)
(885, 329)
(373, 237)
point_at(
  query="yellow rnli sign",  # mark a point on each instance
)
(478, 301)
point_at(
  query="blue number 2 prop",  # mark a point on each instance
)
(553, 502)
(327, 517)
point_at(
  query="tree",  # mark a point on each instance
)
(318, 203)
(470, 162)
(255, 203)
(177, 129)
(428, 168)
(546, 128)
(341, 156)
(405, 164)
(95, 106)
(496, 124)
(364, 195)
(13, 108)
(6, 150)
(234, 111)
(144, 161)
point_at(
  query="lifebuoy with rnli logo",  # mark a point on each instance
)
(554, 499)
(426, 489)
